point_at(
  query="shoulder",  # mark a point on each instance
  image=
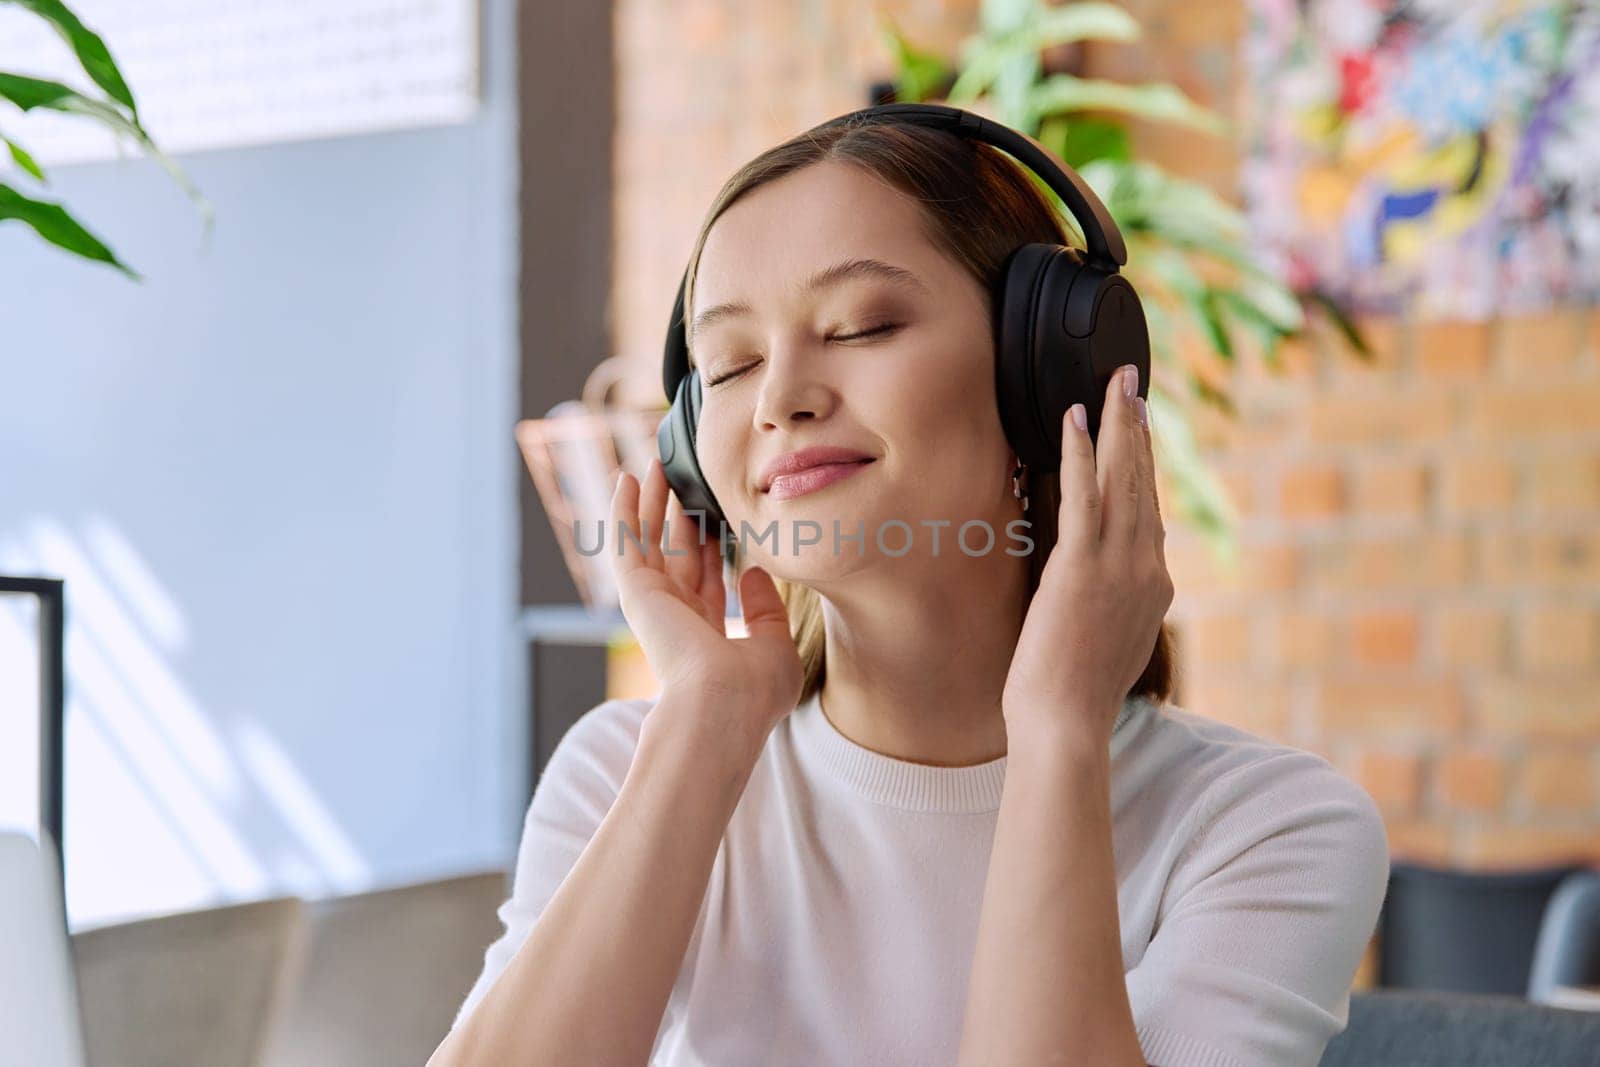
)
(1243, 791)
(592, 758)
(608, 729)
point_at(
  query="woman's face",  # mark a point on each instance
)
(788, 368)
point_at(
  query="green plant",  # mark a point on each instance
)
(1189, 254)
(115, 110)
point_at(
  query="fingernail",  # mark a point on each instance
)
(1080, 417)
(1130, 381)
(1144, 414)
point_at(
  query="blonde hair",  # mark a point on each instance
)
(977, 206)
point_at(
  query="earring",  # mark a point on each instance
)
(1018, 490)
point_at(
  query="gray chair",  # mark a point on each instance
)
(1568, 949)
(1406, 1028)
(197, 989)
(385, 972)
(1463, 931)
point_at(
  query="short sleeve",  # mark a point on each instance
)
(579, 784)
(1267, 913)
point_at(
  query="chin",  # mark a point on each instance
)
(804, 549)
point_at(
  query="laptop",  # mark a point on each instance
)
(39, 1022)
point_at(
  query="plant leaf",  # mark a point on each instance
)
(1267, 331)
(28, 93)
(90, 49)
(52, 222)
(1346, 326)
(24, 160)
(1217, 397)
(1158, 101)
(918, 74)
(1066, 23)
(1082, 141)
(1202, 500)
(1209, 313)
(1015, 36)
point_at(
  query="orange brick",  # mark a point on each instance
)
(1559, 708)
(1384, 637)
(1522, 410)
(1195, 568)
(1472, 636)
(1433, 561)
(1392, 487)
(1472, 779)
(1477, 485)
(1241, 486)
(1394, 779)
(1403, 708)
(1560, 779)
(1260, 708)
(1565, 482)
(1381, 419)
(1452, 348)
(1509, 847)
(1220, 639)
(1310, 491)
(1546, 341)
(1540, 557)
(1305, 639)
(1296, 356)
(1558, 636)
(1420, 841)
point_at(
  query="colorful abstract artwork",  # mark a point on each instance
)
(1441, 156)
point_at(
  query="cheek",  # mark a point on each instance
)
(948, 397)
(943, 422)
(719, 449)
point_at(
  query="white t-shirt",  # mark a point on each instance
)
(842, 911)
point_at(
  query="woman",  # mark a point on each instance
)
(937, 807)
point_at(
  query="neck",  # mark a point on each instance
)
(916, 664)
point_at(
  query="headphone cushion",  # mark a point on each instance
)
(680, 461)
(1038, 372)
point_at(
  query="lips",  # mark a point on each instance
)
(795, 473)
(787, 486)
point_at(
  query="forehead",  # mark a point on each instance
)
(783, 231)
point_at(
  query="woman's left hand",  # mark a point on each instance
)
(1094, 621)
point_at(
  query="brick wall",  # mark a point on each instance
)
(705, 86)
(1417, 595)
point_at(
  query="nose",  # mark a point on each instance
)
(791, 392)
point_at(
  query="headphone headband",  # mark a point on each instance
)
(1106, 250)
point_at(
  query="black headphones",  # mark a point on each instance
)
(1064, 321)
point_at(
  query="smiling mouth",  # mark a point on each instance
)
(810, 480)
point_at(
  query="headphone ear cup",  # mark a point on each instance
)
(675, 444)
(1040, 369)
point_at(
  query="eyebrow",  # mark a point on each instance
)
(842, 271)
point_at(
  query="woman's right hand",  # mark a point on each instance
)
(737, 688)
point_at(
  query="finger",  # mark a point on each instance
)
(713, 593)
(1078, 523)
(1150, 522)
(1118, 459)
(682, 555)
(652, 510)
(764, 613)
(625, 522)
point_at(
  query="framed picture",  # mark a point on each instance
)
(1437, 155)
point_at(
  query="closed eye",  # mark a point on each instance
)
(888, 327)
(876, 331)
